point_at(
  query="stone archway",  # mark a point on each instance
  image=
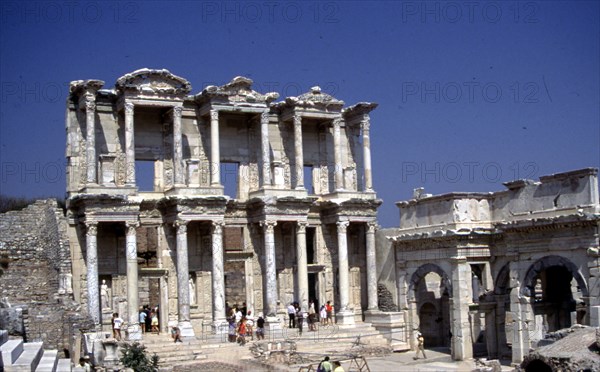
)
(554, 285)
(429, 293)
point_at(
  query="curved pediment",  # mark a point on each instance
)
(153, 82)
(237, 91)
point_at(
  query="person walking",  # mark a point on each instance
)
(420, 345)
(117, 323)
(291, 310)
(337, 367)
(299, 319)
(325, 365)
(142, 319)
(260, 327)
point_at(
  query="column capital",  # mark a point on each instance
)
(365, 123)
(90, 103)
(302, 226)
(264, 117)
(177, 110)
(372, 226)
(268, 225)
(91, 228)
(336, 122)
(342, 226)
(128, 108)
(131, 226)
(297, 119)
(214, 114)
(181, 226)
(217, 226)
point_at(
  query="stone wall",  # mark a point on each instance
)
(38, 278)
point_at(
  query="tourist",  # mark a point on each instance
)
(324, 366)
(337, 367)
(250, 324)
(260, 328)
(238, 316)
(148, 319)
(291, 310)
(242, 332)
(84, 365)
(231, 332)
(311, 317)
(154, 316)
(299, 319)
(420, 345)
(244, 309)
(142, 320)
(323, 315)
(329, 310)
(117, 323)
(176, 334)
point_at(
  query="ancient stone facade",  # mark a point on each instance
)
(492, 273)
(299, 226)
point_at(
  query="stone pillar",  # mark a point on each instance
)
(299, 155)
(264, 142)
(90, 139)
(372, 302)
(301, 258)
(215, 154)
(344, 316)
(593, 299)
(491, 333)
(337, 154)
(518, 309)
(218, 279)
(183, 278)
(462, 345)
(133, 329)
(270, 305)
(91, 259)
(367, 153)
(129, 145)
(177, 148)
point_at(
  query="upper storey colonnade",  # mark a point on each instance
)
(150, 115)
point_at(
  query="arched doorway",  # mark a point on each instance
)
(556, 289)
(429, 293)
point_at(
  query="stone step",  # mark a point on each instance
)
(28, 360)
(48, 362)
(64, 365)
(11, 350)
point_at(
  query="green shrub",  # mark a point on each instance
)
(134, 356)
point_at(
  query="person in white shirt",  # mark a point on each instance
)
(292, 315)
(117, 323)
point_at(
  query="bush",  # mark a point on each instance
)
(134, 356)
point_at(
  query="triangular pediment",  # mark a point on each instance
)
(153, 82)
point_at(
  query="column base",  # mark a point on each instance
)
(186, 329)
(134, 332)
(345, 317)
(372, 315)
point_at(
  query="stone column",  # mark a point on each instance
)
(266, 155)
(129, 145)
(520, 311)
(133, 329)
(218, 279)
(177, 148)
(183, 278)
(367, 153)
(593, 299)
(337, 154)
(301, 261)
(215, 154)
(371, 267)
(491, 336)
(90, 138)
(462, 345)
(270, 306)
(299, 156)
(345, 315)
(91, 259)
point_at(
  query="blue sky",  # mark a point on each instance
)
(471, 94)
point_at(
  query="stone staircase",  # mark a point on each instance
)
(215, 347)
(19, 356)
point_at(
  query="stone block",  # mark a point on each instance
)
(11, 350)
(595, 316)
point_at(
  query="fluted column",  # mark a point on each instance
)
(183, 278)
(177, 147)
(218, 279)
(91, 259)
(133, 329)
(270, 269)
(371, 267)
(264, 142)
(301, 258)
(299, 156)
(337, 154)
(215, 154)
(344, 282)
(90, 138)
(367, 153)
(129, 145)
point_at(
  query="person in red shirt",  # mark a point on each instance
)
(329, 310)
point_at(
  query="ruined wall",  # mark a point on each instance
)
(38, 277)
